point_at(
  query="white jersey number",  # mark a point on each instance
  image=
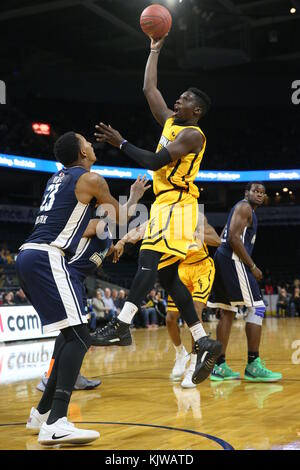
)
(49, 197)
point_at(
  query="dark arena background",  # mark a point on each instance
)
(68, 65)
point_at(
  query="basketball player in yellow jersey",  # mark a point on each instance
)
(173, 217)
(197, 272)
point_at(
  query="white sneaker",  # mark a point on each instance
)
(36, 420)
(182, 358)
(62, 431)
(187, 381)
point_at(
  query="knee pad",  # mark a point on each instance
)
(256, 315)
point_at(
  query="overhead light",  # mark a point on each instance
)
(201, 189)
(290, 192)
(293, 11)
(277, 194)
(285, 190)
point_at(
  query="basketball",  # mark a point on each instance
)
(156, 21)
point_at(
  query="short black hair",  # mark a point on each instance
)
(249, 185)
(66, 148)
(202, 98)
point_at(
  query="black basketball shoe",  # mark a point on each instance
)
(208, 351)
(115, 333)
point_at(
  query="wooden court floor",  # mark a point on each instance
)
(137, 406)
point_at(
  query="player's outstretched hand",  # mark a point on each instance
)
(157, 44)
(139, 187)
(108, 134)
(118, 251)
(257, 274)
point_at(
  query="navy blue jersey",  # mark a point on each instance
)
(62, 219)
(248, 236)
(89, 256)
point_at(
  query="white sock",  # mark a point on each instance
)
(193, 360)
(127, 313)
(179, 348)
(197, 331)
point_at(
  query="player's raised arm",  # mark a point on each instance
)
(93, 185)
(157, 104)
(188, 140)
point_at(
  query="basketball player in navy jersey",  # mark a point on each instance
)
(236, 284)
(94, 246)
(45, 276)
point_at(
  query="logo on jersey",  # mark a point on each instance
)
(163, 141)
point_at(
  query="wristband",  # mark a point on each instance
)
(122, 143)
(252, 267)
(154, 50)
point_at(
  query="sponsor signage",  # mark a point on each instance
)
(48, 166)
(24, 361)
(19, 323)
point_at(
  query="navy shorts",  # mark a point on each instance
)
(234, 285)
(54, 292)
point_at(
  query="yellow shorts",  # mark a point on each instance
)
(172, 222)
(198, 278)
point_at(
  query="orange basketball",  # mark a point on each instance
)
(156, 21)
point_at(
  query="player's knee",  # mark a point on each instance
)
(78, 333)
(256, 315)
(171, 318)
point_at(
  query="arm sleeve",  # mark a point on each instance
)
(146, 159)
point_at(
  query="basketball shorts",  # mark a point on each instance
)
(234, 285)
(172, 222)
(54, 292)
(198, 278)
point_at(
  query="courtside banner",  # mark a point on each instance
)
(25, 361)
(213, 176)
(19, 323)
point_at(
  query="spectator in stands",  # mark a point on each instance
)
(120, 301)
(269, 289)
(296, 283)
(6, 256)
(2, 277)
(98, 307)
(161, 308)
(294, 306)
(110, 307)
(149, 311)
(114, 295)
(282, 303)
(20, 298)
(9, 299)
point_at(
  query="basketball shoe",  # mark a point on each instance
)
(36, 420)
(181, 359)
(187, 381)
(82, 383)
(115, 333)
(257, 372)
(62, 431)
(223, 372)
(208, 351)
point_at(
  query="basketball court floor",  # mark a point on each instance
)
(137, 406)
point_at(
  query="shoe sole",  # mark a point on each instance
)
(202, 373)
(74, 440)
(89, 387)
(213, 378)
(260, 379)
(125, 342)
(33, 430)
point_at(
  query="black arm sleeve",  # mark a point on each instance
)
(146, 159)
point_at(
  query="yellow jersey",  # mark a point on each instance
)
(179, 175)
(195, 253)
